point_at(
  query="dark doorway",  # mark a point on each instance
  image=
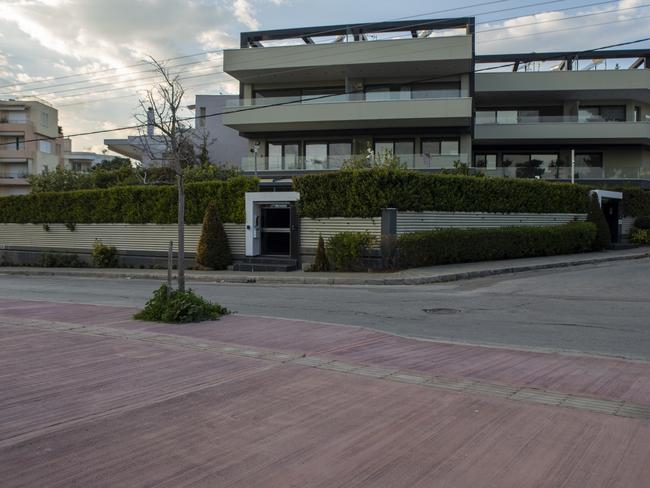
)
(610, 209)
(276, 230)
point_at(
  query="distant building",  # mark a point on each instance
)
(30, 143)
(80, 160)
(225, 146)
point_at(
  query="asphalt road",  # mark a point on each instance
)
(596, 309)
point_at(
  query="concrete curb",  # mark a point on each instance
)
(313, 279)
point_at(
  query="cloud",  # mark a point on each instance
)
(245, 13)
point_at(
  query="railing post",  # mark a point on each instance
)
(169, 267)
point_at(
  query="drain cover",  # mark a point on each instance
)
(441, 311)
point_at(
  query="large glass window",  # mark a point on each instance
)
(431, 147)
(315, 155)
(404, 149)
(600, 113)
(283, 155)
(375, 94)
(326, 155)
(530, 165)
(487, 161)
(264, 97)
(338, 153)
(45, 147)
(594, 160)
(323, 95)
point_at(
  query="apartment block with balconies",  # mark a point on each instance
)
(552, 109)
(312, 98)
(30, 143)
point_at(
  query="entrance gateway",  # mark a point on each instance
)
(610, 203)
(272, 224)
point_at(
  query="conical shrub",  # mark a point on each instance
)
(320, 261)
(213, 250)
(603, 237)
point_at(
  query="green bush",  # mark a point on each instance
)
(640, 236)
(443, 246)
(642, 222)
(213, 250)
(363, 193)
(57, 260)
(130, 204)
(104, 256)
(320, 261)
(178, 307)
(346, 250)
(636, 202)
(603, 236)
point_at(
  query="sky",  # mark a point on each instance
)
(90, 46)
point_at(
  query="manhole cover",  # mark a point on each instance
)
(441, 311)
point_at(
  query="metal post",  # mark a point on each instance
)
(573, 165)
(256, 146)
(169, 266)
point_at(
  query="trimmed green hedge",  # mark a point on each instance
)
(130, 204)
(636, 202)
(443, 246)
(363, 193)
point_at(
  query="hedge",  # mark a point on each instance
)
(363, 193)
(130, 204)
(443, 246)
(636, 202)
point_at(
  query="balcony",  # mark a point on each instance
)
(370, 59)
(551, 173)
(566, 129)
(347, 111)
(294, 164)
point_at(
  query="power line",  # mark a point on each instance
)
(136, 82)
(291, 102)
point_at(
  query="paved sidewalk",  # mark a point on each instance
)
(416, 276)
(89, 397)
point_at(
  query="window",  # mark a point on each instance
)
(436, 90)
(326, 155)
(202, 114)
(487, 161)
(530, 165)
(323, 95)
(45, 147)
(404, 149)
(593, 160)
(264, 97)
(614, 113)
(315, 156)
(17, 117)
(507, 117)
(283, 155)
(338, 153)
(387, 93)
(486, 117)
(45, 119)
(431, 147)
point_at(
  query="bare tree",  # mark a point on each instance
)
(159, 110)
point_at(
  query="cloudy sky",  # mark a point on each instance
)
(89, 47)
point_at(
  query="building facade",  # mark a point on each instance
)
(312, 98)
(30, 143)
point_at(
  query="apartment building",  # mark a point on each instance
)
(80, 160)
(311, 98)
(30, 143)
(225, 146)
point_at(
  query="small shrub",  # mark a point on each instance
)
(104, 256)
(176, 307)
(57, 260)
(640, 236)
(346, 250)
(603, 237)
(320, 261)
(71, 226)
(213, 250)
(444, 246)
(642, 222)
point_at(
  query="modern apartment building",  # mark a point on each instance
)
(30, 143)
(311, 98)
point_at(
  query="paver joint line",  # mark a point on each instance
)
(523, 394)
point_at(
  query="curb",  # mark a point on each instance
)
(314, 280)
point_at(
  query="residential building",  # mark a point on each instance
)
(312, 98)
(225, 146)
(80, 160)
(30, 143)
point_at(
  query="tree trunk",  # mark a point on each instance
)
(181, 232)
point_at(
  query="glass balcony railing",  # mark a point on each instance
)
(378, 96)
(13, 174)
(551, 119)
(301, 163)
(550, 173)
